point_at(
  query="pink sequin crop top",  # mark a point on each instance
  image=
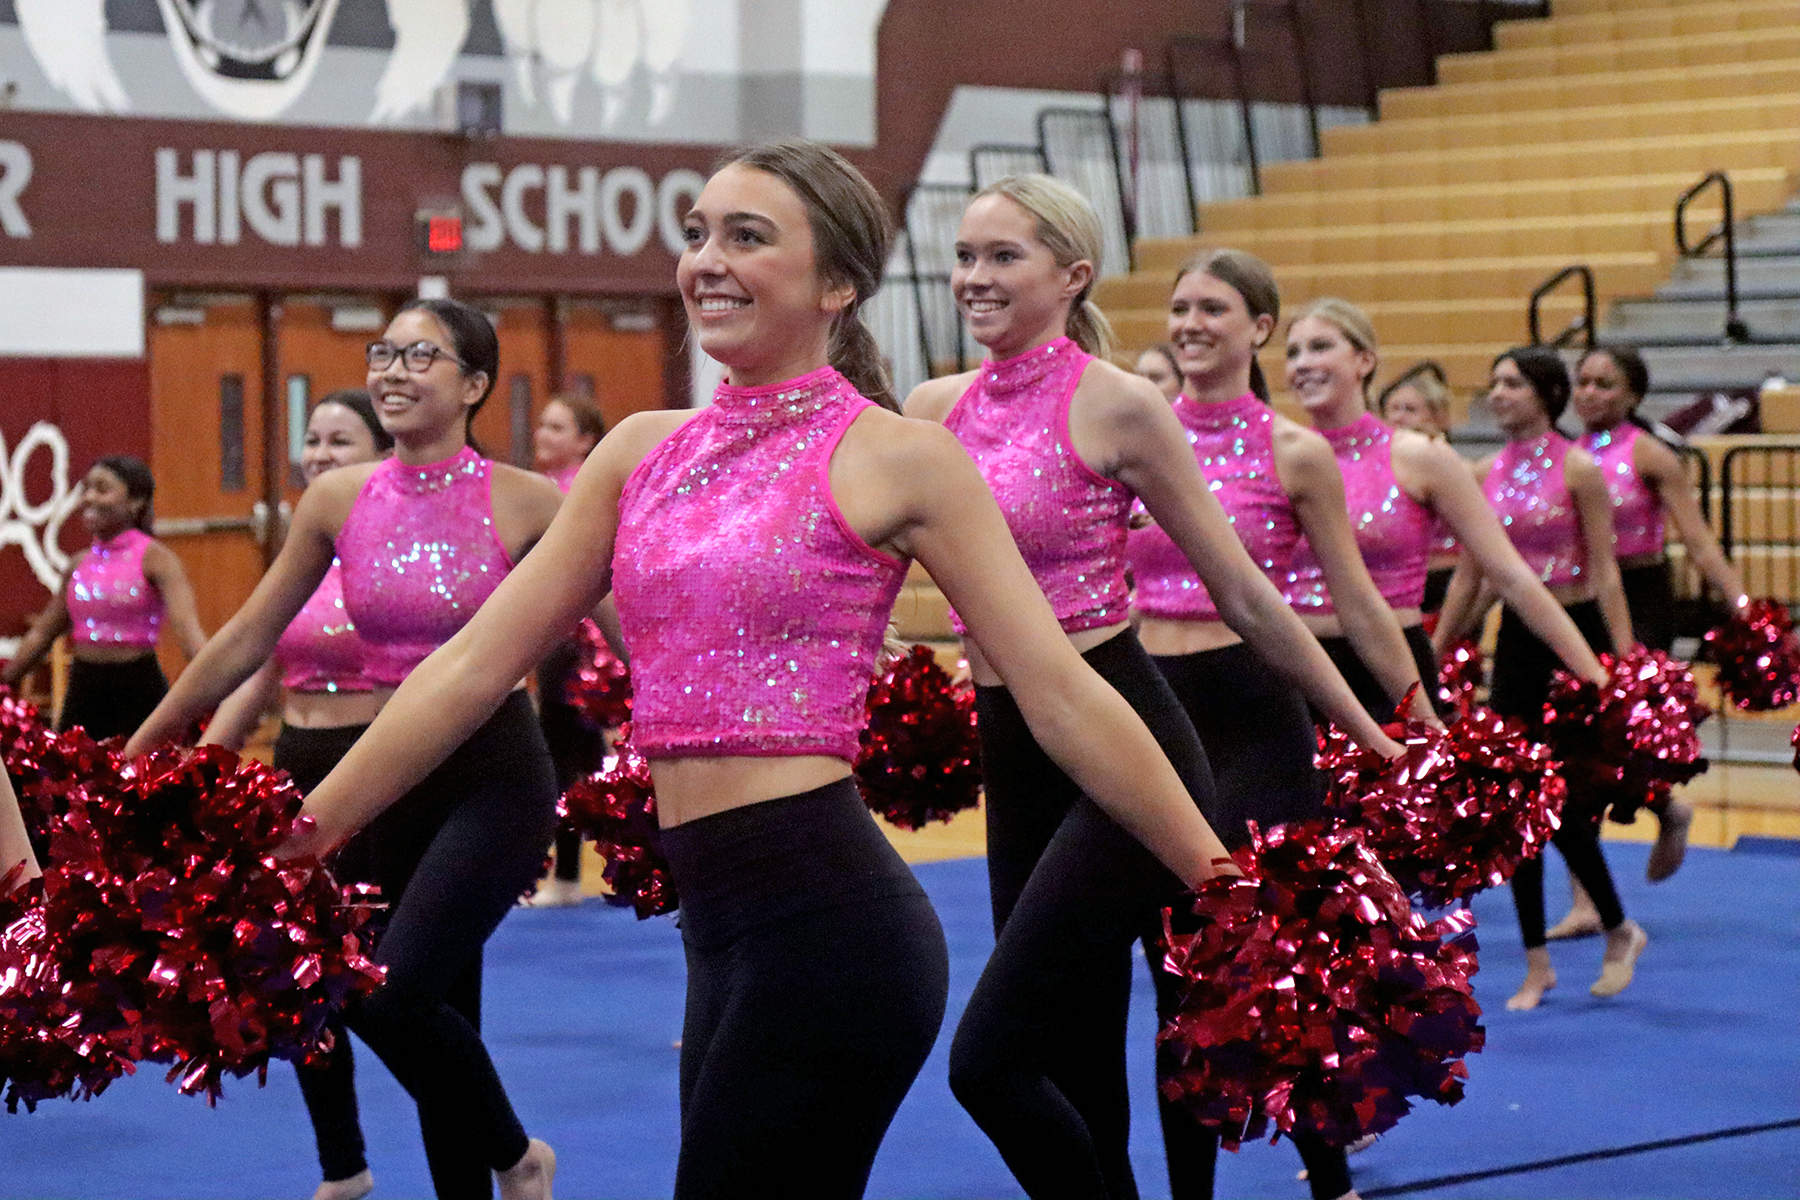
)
(320, 651)
(1068, 520)
(1235, 443)
(1637, 510)
(1393, 531)
(1528, 492)
(110, 601)
(420, 555)
(754, 612)
(564, 478)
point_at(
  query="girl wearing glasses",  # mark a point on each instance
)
(423, 538)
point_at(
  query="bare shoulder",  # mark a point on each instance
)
(158, 557)
(898, 448)
(933, 399)
(328, 498)
(1116, 395)
(1295, 443)
(1418, 452)
(1654, 457)
(630, 441)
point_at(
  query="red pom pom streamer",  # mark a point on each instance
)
(1794, 741)
(1314, 997)
(600, 688)
(1457, 812)
(615, 808)
(1758, 656)
(177, 937)
(46, 767)
(1460, 674)
(1629, 742)
(920, 759)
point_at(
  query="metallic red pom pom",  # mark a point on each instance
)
(920, 758)
(1758, 656)
(601, 685)
(1314, 998)
(615, 808)
(1460, 673)
(45, 766)
(1455, 813)
(1629, 742)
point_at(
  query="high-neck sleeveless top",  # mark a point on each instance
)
(1636, 510)
(564, 478)
(1068, 520)
(753, 611)
(420, 554)
(110, 601)
(320, 651)
(1234, 442)
(1528, 492)
(1393, 531)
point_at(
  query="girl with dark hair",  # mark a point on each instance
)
(112, 604)
(1553, 503)
(1400, 487)
(422, 539)
(1647, 484)
(317, 674)
(567, 432)
(1066, 442)
(757, 546)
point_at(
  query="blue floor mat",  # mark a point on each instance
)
(583, 1006)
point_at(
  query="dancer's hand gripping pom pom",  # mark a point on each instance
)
(920, 758)
(1315, 998)
(1630, 741)
(615, 808)
(1457, 812)
(1758, 655)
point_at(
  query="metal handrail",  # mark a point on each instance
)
(1736, 329)
(920, 280)
(1103, 115)
(1589, 306)
(981, 148)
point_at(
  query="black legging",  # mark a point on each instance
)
(112, 699)
(452, 857)
(328, 1084)
(1259, 738)
(1523, 665)
(576, 747)
(1039, 1057)
(1369, 692)
(1651, 599)
(817, 978)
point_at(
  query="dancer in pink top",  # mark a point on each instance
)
(567, 431)
(112, 606)
(756, 546)
(423, 539)
(1553, 504)
(1420, 400)
(1401, 487)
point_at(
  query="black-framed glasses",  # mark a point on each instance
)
(417, 357)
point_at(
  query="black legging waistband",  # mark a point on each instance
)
(748, 867)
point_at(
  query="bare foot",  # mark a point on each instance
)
(1540, 977)
(1623, 945)
(353, 1188)
(1583, 919)
(556, 893)
(529, 1178)
(1671, 841)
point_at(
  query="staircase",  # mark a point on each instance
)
(1567, 143)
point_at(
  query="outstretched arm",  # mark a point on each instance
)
(1660, 467)
(242, 711)
(51, 624)
(15, 845)
(162, 567)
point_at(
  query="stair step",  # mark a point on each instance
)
(1700, 278)
(1682, 21)
(1752, 77)
(1731, 46)
(1662, 319)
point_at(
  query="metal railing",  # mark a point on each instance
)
(1081, 148)
(1759, 519)
(990, 161)
(1736, 330)
(933, 212)
(1589, 306)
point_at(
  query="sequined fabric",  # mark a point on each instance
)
(1069, 522)
(1234, 441)
(1637, 512)
(320, 651)
(110, 601)
(565, 478)
(1393, 531)
(1526, 490)
(419, 555)
(754, 613)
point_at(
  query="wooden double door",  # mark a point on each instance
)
(233, 377)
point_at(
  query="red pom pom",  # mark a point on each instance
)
(615, 808)
(601, 685)
(178, 937)
(1794, 741)
(1460, 674)
(1457, 812)
(920, 758)
(1314, 997)
(1758, 657)
(46, 767)
(1629, 742)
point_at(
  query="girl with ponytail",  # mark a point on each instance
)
(1067, 442)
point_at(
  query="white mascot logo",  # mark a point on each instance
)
(34, 528)
(251, 59)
